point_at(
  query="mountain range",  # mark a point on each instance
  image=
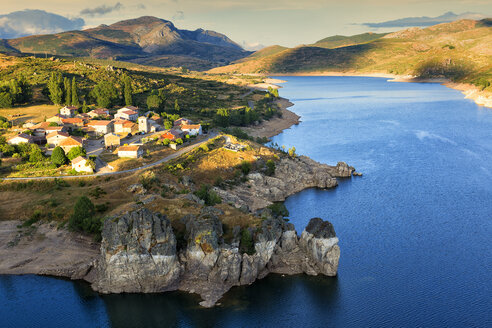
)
(145, 40)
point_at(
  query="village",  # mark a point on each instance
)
(90, 142)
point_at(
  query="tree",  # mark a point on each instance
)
(128, 92)
(83, 217)
(222, 117)
(58, 156)
(75, 96)
(105, 94)
(85, 108)
(6, 100)
(176, 106)
(154, 102)
(76, 152)
(68, 91)
(35, 154)
(168, 124)
(54, 88)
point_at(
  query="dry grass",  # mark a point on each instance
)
(35, 113)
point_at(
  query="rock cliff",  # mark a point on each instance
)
(140, 253)
(292, 175)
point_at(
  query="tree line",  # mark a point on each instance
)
(15, 92)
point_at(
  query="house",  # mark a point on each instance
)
(129, 113)
(125, 126)
(40, 128)
(182, 121)
(192, 129)
(86, 117)
(99, 112)
(73, 123)
(20, 138)
(143, 124)
(172, 134)
(132, 151)
(56, 119)
(112, 140)
(81, 164)
(71, 142)
(50, 129)
(28, 125)
(157, 119)
(54, 138)
(68, 111)
(101, 127)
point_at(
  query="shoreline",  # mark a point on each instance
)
(470, 91)
(275, 126)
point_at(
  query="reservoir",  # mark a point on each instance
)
(415, 230)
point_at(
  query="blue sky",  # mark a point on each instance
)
(284, 22)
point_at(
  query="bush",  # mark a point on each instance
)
(246, 244)
(35, 155)
(270, 167)
(279, 209)
(76, 152)
(83, 218)
(245, 167)
(209, 196)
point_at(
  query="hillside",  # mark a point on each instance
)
(460, 51)
(142, 40)
(343, 41)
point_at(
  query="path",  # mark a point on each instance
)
(163, 160)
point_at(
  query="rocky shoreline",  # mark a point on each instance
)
(141, 252)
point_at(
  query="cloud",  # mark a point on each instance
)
(252, 46)
(141, 6)
(179, 15)
(425, 21)
(30, 22)
(101, 10)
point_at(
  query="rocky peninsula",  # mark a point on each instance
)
(143, 250)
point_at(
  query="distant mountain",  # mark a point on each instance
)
(29, 22)
(461, 51)
(426, 21)
(142, 40)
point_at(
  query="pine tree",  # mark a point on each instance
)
(68, 91)
(85, 108)
(75, 96)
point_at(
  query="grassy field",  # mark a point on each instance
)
(35, 113)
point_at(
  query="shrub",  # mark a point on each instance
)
(76, 152)
(246, 244)
(209, 196)
(270, 167)
(245, 167)
(279, 209)
(83, 218)
(35, 154)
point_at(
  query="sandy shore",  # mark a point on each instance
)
(276, 125)
(470, 91)
(42, 249)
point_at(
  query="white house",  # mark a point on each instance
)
(127, 113)
(101, 127)
(68, 111)
(20, 138)
(192, 129)
(101, 112)
(54, 138)
(132, 151)
(81, 164)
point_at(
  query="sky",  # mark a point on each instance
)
(285, 22)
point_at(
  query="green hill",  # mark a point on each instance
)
(343, 41)
(460, 51)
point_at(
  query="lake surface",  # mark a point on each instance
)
(415, 231)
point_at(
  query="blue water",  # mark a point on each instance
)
(415, 231)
